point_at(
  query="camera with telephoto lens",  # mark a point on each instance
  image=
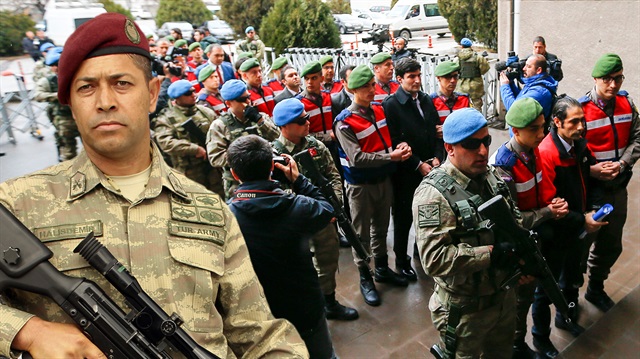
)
(377, 36)
(512, 67)
(277, 174)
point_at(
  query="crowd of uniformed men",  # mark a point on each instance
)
(377, 138)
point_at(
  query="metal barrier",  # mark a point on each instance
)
(23, 109)
(298, 57)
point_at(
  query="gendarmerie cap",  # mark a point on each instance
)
(278, 63)
(194, 46)
(204, 73)
(233, 89)
(380, 58)
(324, 59)
(179, 88)
(524, 111)
(446, 67)
(106, 34)
(312, 67)
(249, 64)
(461, 124)
(360, 76)
(180, 43)
(607, 64)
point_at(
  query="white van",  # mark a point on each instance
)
(61, 19)
(415, 18)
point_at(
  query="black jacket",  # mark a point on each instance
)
(339, 101)
(407, 125)
(283, 96)
(277, 227)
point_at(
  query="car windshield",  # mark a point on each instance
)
(218, 25)
(398, 11)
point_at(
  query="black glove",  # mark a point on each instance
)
(251, 114)
(504, 256)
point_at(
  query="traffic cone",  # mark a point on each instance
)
(430, 43)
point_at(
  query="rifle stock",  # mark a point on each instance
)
(533, 263)
(117, 334)
(195, 132)
(305, 159)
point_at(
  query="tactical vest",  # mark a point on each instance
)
(462, 101)
(372, 138)
(176, 117)
(311, 143)
(320, 118)
(57, 109)
(606, 136)
(263, 102)
(469, 67)
(237, 130)
(382, 94)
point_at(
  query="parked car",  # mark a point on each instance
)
(370, 19)
(185, 27)
(221, 30)
(415, 18)
(347, 23)
(148, 26)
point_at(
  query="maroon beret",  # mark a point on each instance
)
(106, 34)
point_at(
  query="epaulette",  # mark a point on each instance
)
(623, 93)
(433, 95)
(270, 81)
(584, 99)
(376, 103)
(505, 158)
(299, 96)
(461, 94)
(202, 96)
(342, 115)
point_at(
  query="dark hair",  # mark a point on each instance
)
(143, 64)
(251, 158)
(406, 64)
(539, 39)
(177, 31)
(562, 106)
(284, 70)
(199, 31)
(239, 62)
(343, 71)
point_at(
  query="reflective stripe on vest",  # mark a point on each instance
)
(216, 104)
(276, 86)
(462, 101)
(602, 136)
(320, 118)
(382, 94)
(529, 197)
(264, 103)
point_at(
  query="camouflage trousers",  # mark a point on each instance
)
(326, 252)
(484, 333)
(474, 87)
(66, 133)
(230, 185)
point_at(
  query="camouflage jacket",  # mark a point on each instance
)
(40, 70)
(322, 159)
(176, 141)
(47, 91)
(255, 46)
(460, 266)
(179, 240)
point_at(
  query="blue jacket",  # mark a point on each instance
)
(277, 227)
(538, 87)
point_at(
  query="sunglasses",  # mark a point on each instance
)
(474, 143)
(301, 120)
(242, 99)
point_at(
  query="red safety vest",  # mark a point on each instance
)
(264, 103)
(462, 101)
(320, 118)
(608, 137)
(528, 187)
(382, 94)
(276, 86)
(215, 103)
(335, 87)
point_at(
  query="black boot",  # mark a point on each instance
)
(545, 347)
(405, 269)
(367, 288)
(384, 274)
(337, 311)
(597, 296)
(522, 351)
(572, 326)
(344, 243)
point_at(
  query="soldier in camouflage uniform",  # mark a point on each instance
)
(293, 121)
(66, 128)
(467, 307)
(177, 238)
(40, 69)
(472, 67)
(241, 119)
(182, 141)
(252, 43)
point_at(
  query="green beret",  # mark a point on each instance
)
(311, 68)
(359, 77)
(278, 63)
(249, 64)
(607, 64)
(205, 73)
(208, 49)
(170, 38)
(325, 59)
(380, 58)
(446, 67)
(194, 46)
(149, 36)
(180, 43)
(242, 55)
(523, 112)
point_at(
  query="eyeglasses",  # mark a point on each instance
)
(451, 76)
(242, 99)
(618, 79)
(474, 143)
(302, 120)
(327, 67)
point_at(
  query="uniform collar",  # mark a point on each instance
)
(460, 177)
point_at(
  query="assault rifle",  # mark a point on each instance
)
(195, 132)
(143, 333)
(309, 165)
(505, 228)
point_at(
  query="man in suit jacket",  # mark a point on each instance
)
(341, 100)
(216, 60)
(291, 81)
(411, 118)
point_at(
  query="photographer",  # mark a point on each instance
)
(537, 85)
(399, 49)
(277, 227)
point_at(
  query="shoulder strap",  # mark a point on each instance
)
(462, 202)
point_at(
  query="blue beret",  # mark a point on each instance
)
(179, 88)
(465, 42)
(233, 89)
(249, 28)
(286, 111)
(53, 56)
(461, 124)
(46, 46)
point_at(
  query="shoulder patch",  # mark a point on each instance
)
(205, 208)
(428, 215)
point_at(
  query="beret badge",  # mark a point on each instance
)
(131, 32)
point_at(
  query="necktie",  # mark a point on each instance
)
(219, 75)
